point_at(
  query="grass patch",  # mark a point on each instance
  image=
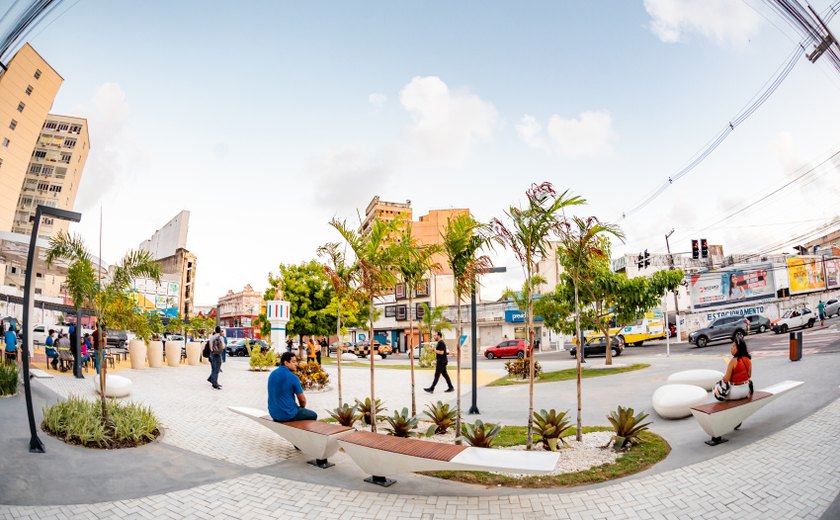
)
(8, 378)
(79, 421)
(651, 449)
(365, 363)
(566, 375)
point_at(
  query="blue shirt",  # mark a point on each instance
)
(283, 386)
(11, 341)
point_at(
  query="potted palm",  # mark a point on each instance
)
(154, 351)
(137, 348)
(174, 346)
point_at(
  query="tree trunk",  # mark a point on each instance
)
(411, 349)
(608, 340)
(578, 354)
(337, 348)
(529, 323)
(458, 367)
(371, 353)
(102, 368)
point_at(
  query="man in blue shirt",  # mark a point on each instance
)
(283, 388)
(11, 343)
(49, 350)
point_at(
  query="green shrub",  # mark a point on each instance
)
(521, 368)
(479, 435)
(402, 424)
(627, 426)
(427, 355)
(365, 409)
(345, 415)
(258, 360)
(312, 376)
(79, 421)
(8, 378)
(442, 415)
(549, 426)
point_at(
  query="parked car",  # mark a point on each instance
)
(598, 347)
(832, 308)
(727, 328)
(362, 349)
(758, 323)
(237, 347)
(508, 348)
(39, 333)
(116, 338)
(346, 346)
(799, 317)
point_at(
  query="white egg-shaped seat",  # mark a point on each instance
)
(675, 401)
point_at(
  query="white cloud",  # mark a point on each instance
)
(722, 21)
(345, 176)
(588, 135)
(445, 123)
(377, 99)
(530, 131)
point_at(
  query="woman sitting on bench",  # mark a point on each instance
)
(736, 381)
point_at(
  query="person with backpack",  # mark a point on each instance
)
(217, 345)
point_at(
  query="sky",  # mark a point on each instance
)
(266, 119)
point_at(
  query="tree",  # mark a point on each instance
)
(413, 262)
(374, 252)
(433, 321)
(463, 238)
(109, 299)
(582, 242)
(308, 291)
(527, 234)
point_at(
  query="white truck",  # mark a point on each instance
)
(794, 318)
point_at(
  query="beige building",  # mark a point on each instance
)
(28, 86)
(180, 268)
(386, 211)
(240, 309)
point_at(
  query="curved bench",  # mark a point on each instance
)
(675, 401)
(385, 455)
(313, 438)
(115, 386)
(704, 378)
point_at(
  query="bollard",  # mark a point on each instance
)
(795, 346)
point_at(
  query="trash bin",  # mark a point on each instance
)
(795, 346)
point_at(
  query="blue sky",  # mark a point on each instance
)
(266, 119)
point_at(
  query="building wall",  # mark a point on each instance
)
(386, 211)
(168, 239)
(182, 268)
(239, 309)
(429, 228)
(16, 145)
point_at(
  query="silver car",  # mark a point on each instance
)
(832, 307)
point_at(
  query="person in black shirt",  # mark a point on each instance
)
(440, 364)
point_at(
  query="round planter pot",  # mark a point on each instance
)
(194, 349)
(173, 353)
(137, 354)
(154, 353)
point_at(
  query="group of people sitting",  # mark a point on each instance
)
(59, 350)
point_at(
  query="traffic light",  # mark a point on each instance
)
(640, 261)
(647, 259)
(704, 248)
(695, 249)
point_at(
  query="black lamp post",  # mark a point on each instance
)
(35, 444)
(473, 332)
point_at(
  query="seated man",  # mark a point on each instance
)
(49, 350)
(283, 388)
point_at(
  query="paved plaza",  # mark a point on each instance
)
(211, 463)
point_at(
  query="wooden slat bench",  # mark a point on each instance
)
(385, 455)
(719, 418)
(313, 438)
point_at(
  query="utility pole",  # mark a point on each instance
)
(676, 302)
(826, 42)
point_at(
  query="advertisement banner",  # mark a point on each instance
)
(832, 273)
(806, 274)
(732, 285)
(172, 288)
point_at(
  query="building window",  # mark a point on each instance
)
(75, 129)
(50, 125)
(390, 311)
(1, 162)
(12, 125)
(63, 127)
(37, 73)
(65, 157)
(21, 106)
(60, 172)
(46, 171)
(14, 269)
(55, 188)
(26, 201)
(43, 186)
(402, 312)
(422, 288)
(420, 311)
(35, 168)
(399, 291)
(38, 290)
(39, 154)
(70, 142)
(6, 142)
(48, 222)
(29, 90)
(39, 275)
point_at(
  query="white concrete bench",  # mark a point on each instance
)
(675, 401)
(115, 386)
(313, 438)
(385, 455)
(719, 418)
(703, 378)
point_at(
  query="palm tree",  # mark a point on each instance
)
(374, 253)
(463, 238)
(413, 261)
(433, 321)
(583, 242)
(110, 299)
(527, 235)
(342, 276)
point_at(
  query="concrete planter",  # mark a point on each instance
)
(173, 353)
(194, 352)
(154, 353)
(137, 354)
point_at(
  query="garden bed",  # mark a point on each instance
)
(79, 421)
(567, 375)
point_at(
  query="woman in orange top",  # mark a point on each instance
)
(739, 371)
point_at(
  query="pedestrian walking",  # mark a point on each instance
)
(217, 345)
(283, 388)
(440, 364)
(289, 344)
(821, 311)
(316, 346)
(325, 347)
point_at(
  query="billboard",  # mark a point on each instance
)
(732, 285)
(806, 274)
(832, 272)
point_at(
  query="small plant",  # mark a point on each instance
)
(427, 355)
(402, 423)
(479, 435)
(312, 376)
(259, 361)
(627, 427)
(550, 426)
(345, 415)
(521, 368)
(79, 421)
(365, 409)
(8, 378)
(442, 415)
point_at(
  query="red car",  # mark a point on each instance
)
(508, 348)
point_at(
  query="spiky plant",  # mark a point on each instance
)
(345, 414)
(402, 423)
(442, 415)
(365, 409)
(627, 426)
(550, 426)
(480, 434)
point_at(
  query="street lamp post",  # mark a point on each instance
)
(473, 332)
(35, 443)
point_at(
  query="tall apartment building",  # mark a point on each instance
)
(386, 211)
(28, 86)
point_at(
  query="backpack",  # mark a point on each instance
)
(206, 351)
(218, 345)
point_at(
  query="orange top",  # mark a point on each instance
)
(741, 372)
